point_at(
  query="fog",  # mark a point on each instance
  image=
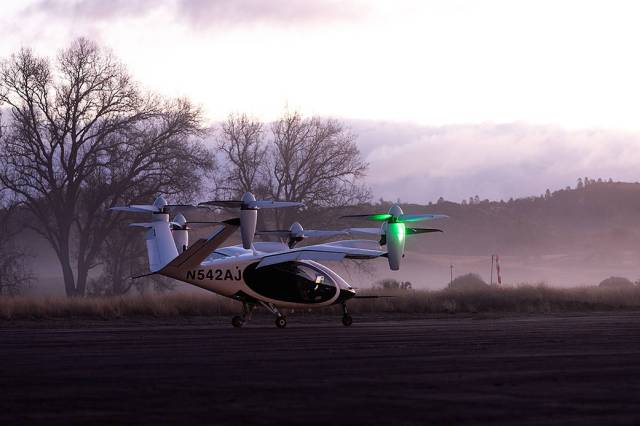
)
(418, 164)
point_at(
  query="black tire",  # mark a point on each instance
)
(347, 320)
(281, 322)
(237, 321)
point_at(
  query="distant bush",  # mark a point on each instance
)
(616, 282)
(391, 284)
(468, 282)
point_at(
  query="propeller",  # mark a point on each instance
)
(380, 232)
(249, 202)
(297, 233)
(397, 218)
(159, 211)
(393, 231)
(249, 207)
(159, 205)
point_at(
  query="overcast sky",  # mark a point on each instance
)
(477, 96)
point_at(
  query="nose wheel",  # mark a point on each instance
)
(347, 320)
(281, 322)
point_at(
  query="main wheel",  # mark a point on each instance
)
(347, 320)
(281, 322)
(237, 321)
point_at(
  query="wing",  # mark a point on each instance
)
(320, 252)
(323, 233)
(365, 231)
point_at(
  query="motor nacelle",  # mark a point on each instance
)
(393, 231)
(180, 232)
(249, 207)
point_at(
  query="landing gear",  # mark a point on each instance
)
(346, 318)
(238, 321)
(281, 322)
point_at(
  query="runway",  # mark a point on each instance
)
(553, 369)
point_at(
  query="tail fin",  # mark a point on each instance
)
(161, 248)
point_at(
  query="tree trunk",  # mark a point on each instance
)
(81, 281)
(67, 274)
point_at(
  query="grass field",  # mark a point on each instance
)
(516, 299)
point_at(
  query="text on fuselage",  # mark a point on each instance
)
(215, 274)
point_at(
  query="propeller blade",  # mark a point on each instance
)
(374, 217)
(184, 206)
(268, 204)
(279, 233)
(413, 231)
(222, 203)
(420, 217)
(323, 233)
(135, 209)
(364, 231)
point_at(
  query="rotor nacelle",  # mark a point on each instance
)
(393, 231)
(249, 207)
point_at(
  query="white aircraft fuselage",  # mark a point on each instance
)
(293, 284)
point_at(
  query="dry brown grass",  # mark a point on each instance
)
(521, 299)
(517, 299)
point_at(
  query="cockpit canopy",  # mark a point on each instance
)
(294, 282)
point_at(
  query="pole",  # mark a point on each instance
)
(451, 281)
(492, 269)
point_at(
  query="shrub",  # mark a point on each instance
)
(468, 282)
(391, 284)
(616, 282)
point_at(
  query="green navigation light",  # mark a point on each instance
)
(398, 230)
(380, 216)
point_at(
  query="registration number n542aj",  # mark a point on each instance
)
(215, 274)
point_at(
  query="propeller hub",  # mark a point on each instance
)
(395, 210)
(180, 220)
(296, 230)
(160, 203)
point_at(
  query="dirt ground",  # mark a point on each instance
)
(553, 369)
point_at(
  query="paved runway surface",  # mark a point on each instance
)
(582, 369)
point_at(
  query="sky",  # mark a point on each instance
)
(449, 98)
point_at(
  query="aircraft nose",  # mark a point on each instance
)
(345, 294)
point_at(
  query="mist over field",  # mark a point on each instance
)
(566, 238)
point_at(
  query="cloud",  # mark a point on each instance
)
(495, 161)
(90, 10)
(278, 12)
(202, 13)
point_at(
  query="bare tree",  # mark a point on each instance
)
(81, 137)
(15, 275)
(315, 161)
(245, 149)
(312, 160)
